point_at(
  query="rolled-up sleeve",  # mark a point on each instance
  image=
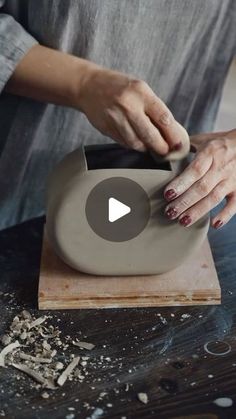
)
(15, 42)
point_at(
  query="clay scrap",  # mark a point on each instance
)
(143, 398)
(35, 348)
(84, 345)
(7, 350)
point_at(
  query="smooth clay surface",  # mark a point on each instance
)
(160, 247)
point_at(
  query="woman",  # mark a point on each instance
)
(48, 50)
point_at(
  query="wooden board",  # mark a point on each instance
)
(61, 287)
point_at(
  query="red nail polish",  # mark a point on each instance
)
(170, 194)
(218, 224)
(171, 213)
(177, 147)
(185, 221)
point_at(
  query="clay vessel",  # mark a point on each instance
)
(160, 247)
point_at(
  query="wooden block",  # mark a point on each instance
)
(193, 283)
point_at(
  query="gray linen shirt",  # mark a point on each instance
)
(182, 48)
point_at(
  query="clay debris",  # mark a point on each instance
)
(35, 348)
(47, 383)
(143, 398)
(83, 345)
(7, 350)
(63, 377)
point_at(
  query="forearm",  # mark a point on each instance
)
(50, 76)
(118, 105)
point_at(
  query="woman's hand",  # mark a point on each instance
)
(127, 110)
(209, 178)
(118, 105)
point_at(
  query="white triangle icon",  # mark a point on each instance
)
(117, 210)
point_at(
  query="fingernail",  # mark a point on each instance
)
(171, 213)
(185, 221)
(177, 147)
(170, 194)
(218, 224)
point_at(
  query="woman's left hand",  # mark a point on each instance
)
(208, 179)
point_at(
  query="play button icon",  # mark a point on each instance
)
(117, 209)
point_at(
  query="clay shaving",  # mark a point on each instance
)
(143, 398)
(27, 357)
(84, 345)
(7, 350)
(37, 322)
(63, 377)
(43, 355)
(35, 375)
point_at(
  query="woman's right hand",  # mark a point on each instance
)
(127, 110)
(118, 105)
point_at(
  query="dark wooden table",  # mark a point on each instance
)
(162, 352)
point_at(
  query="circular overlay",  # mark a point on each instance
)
(117, 209)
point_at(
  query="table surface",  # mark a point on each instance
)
(171, 354)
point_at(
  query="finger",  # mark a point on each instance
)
(206, 204)
(123, 132)
(115, 135)
(226, 213)
(173, 133)
(195, 171)
(148, 134)
(194, 194)
(129, 137)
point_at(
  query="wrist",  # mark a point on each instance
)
(84, 73)
(231, 134)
